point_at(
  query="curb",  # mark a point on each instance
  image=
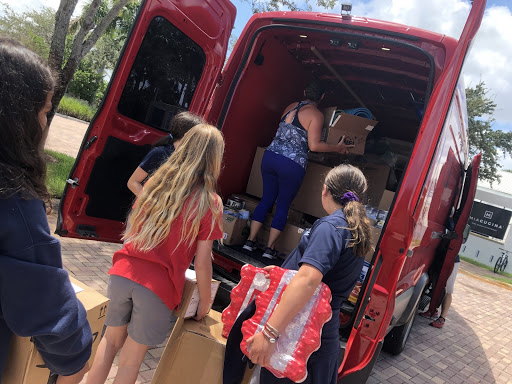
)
(487, 280)
(72, 118)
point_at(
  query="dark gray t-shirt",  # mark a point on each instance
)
(325, 247)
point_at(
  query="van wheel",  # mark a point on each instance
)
(394, 342)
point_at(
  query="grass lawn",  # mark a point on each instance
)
(503, 276)
(58, 168)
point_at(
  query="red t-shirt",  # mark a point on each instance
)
(162, 269)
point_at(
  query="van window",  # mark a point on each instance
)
(164, 76)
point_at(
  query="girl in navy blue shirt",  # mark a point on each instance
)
(37, 299)
(162, 149)
(332, 251)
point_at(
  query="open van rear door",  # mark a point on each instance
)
(171, 62)
(378, 301)
(461, 218)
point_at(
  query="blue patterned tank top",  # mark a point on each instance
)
(291, 141)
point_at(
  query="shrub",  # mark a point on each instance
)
(70, 106)
(86, 82)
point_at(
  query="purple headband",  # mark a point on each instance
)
(348, 196)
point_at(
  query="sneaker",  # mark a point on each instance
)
(428, 315)
(270, 253)
(250, 245)
(438, 323)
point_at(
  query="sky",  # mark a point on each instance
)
(489, 60)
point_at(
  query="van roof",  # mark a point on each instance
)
(352, 22)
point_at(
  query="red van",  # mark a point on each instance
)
(409, 78)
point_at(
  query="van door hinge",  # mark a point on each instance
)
(450, 235)
(73, 182)
(90, 141)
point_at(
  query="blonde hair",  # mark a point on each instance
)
(347, 178)
(189, 175)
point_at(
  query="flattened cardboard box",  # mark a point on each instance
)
(190, 298)
(354, 128)
(24, 364)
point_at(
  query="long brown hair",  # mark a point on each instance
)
(26, 82)
(186, 181)
(347, 178)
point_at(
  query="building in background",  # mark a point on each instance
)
(490, 222)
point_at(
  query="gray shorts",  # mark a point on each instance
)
(149, 320)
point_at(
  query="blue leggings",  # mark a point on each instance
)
(282, 179)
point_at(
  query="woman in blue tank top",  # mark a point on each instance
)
(284, 162)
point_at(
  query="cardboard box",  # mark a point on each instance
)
(309, 197)
(25, 365)
(377, 177)
(194, 353)
(255, 183)
(354, 128)
(190, 298)
(287, 240)
(235, 230)
(386, 200)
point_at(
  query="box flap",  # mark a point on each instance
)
(210, 327)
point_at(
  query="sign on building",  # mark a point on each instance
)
(488, 220)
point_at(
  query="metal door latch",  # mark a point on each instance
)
(73, 182)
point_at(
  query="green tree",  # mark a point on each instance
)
(97, 18)
(482, 138)
(32, 28)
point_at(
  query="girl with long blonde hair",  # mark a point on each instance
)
(176, 217)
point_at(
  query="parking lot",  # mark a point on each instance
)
(475, 345)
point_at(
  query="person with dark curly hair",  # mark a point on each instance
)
(284, 162)
(37, 299)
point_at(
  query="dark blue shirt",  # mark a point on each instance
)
(156, 157)
(325, 247)
(36, 297)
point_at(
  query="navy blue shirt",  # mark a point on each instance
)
(156, 157)
(36, 297)
(325, 247)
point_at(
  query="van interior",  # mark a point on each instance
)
(392, 77)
